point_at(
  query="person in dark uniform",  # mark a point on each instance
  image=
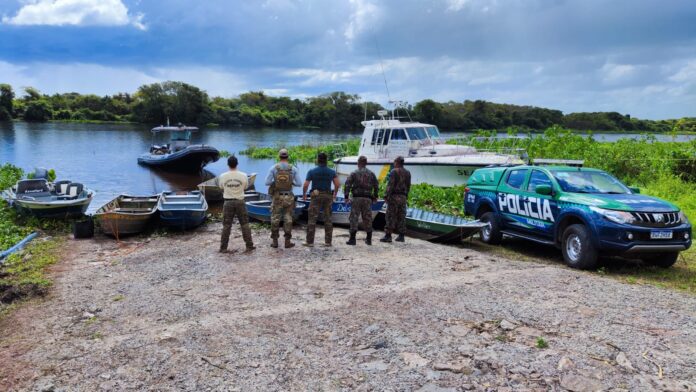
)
(363, 186)
(321, 178)
(280, 180)
(396, 198)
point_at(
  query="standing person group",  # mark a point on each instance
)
(360, 191)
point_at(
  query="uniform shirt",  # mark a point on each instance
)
(399, 182)
(361, 183)
(321, 178)
(296, 181)
(233, 184)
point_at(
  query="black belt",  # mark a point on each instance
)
(398, 194)
(365, 196)
(286, 193)
(233, 199)
(320, 191)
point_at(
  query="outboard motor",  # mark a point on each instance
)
(40, 173)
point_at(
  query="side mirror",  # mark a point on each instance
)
(634, 189)
(543, 189)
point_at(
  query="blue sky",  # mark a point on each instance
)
(632, 56)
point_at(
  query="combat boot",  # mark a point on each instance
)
(274, 243)
(351, 240)
(368, 238)
(250, 248)
(288, 243)
(386, 238)
(399, 238)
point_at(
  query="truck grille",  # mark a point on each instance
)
(656, 219)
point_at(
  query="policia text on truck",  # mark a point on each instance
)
(585, 212)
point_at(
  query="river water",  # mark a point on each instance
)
(104, 156)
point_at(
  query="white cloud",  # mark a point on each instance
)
(364, 14)
(613, 73)
(686, 74)
(75, 13)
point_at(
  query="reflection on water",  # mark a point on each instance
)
(104, 156)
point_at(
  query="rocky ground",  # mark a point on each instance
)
(170, 313)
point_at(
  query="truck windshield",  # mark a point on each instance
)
(577, 181)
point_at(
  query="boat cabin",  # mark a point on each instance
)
(179, 139)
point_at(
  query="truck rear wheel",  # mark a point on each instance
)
(578, 250)
(662, 260)
(491, 234)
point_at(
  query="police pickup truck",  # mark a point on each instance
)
(585, 212)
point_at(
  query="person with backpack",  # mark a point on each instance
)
(363, 186)
(280, 180)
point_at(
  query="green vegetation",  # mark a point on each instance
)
(181, 102)
(541, 343)
(10, 231)
(305, 152)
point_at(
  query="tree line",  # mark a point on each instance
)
(181, 102)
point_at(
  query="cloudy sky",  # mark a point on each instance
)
(632, 56)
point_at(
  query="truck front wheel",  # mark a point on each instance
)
(578, 251)
(663, 260)
(490, 233)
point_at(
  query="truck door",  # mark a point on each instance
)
(541, 210)
(509, 199)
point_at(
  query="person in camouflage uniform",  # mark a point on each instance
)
(280, 180)
(321, 178)
(396, 197)
(363, 186)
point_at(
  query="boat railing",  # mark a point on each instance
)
(506, 145)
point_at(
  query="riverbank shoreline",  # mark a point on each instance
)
(169, 312)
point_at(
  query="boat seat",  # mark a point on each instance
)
(74, 190)
(32, 187)
(61, 187)
(132, 209)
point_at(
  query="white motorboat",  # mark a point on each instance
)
(426, 155)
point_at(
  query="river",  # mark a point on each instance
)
(104, 156)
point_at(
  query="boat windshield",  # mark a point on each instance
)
(433, 132)
(181, 135)
(589, 182)
(417, 133)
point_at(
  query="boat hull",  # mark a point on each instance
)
(340, 212)
(423, 170)
(184, 220)
(52, 210)
(182, 211)
(436, 227)
(127, 215)
(261, 210)
(190, 159)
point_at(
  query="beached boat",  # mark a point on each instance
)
(340, 211)
(126, 214)
(436, 227)
(182, 210)
(179, 154)
(40, 198)
(261, 209)
(429, 159)
(213, 192)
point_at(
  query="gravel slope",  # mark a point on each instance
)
(170, 313)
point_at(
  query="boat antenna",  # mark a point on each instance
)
(167, 120)
(365, 106)
(384, 75)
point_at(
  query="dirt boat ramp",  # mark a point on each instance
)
(170, 313)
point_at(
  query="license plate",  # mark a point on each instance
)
(661, 235)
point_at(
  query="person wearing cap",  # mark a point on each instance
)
(321, 178)
(280, 180)
(396, 197)
(233, 184)
(362, 184)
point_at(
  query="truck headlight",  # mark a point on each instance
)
(682, 217)
(621, 217)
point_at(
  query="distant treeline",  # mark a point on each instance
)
(180, 102)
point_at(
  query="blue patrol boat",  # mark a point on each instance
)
(182, 210)
(179, 154)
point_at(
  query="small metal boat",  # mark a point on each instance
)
(182, 210)
(126, 214)
(40, 198)
(436, 227)
(179, 154)
(340, 211)
(261, 208)
(213, 192)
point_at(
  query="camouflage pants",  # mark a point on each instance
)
(320, 203)
(361, 207)
(282, 207)
(396, 214)
(230, 210)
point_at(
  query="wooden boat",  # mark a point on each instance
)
(182, 210)
(436, 227)
(179, 154)
(40, 198)
(126, 214)
(261, 209)
(213, 193)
